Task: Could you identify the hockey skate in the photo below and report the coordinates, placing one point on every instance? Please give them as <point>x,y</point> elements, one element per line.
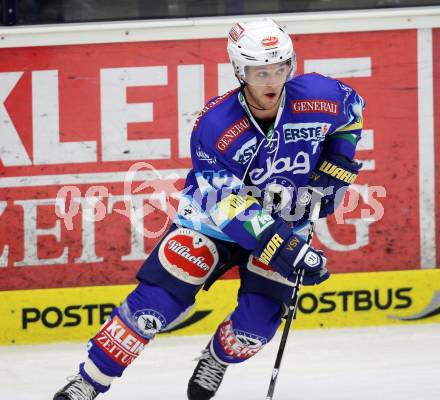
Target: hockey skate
<point>76,389</point>
<point>206,378</point>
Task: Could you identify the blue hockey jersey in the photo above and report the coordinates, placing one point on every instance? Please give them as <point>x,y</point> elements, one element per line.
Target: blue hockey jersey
<point>242,178</point>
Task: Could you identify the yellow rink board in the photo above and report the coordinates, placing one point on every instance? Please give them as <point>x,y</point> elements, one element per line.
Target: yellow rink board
<point>345,300</point>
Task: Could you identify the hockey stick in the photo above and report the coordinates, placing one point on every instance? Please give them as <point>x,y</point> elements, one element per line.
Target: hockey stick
<point>293,302</point>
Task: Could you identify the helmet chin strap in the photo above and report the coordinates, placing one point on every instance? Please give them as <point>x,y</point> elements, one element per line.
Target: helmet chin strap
<point>257,108</point>
<point>242,86</point>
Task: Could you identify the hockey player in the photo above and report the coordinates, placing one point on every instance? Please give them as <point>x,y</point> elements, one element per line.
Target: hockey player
<point>253,150</point>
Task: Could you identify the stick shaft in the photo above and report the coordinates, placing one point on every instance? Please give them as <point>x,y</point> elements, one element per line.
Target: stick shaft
<point>292,307</point>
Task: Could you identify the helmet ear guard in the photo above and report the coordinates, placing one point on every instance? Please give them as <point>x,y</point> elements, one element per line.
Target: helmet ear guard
<point>259,43</point>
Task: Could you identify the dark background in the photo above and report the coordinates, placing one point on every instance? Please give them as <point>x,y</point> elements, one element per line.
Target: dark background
<point>25,12</point>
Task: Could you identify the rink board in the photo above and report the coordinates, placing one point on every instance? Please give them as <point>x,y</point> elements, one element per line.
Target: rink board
<point>346,300</point>
<point>139,101</point>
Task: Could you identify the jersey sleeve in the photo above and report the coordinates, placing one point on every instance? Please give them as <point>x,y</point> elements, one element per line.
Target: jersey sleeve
<point>344,139</point>
<point>220,194</point>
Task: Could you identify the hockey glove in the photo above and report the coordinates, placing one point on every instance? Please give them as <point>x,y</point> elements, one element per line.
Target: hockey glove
<point>288,253</point>
<point>313,277</point>
<point>332,176</point>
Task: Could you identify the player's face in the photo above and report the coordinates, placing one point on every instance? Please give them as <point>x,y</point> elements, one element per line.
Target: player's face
<point>266,82</point>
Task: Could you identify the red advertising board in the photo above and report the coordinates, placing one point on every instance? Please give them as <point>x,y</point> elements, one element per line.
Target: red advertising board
<point>82,115</point>
<point>436,90</point>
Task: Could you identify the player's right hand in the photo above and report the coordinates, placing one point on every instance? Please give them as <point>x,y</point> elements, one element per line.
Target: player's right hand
<point>288,253</point>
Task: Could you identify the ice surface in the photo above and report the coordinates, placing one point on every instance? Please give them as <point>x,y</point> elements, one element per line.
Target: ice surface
<point>389,363</point>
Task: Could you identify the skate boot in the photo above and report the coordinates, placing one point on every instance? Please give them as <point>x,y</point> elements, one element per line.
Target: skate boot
<point>206,378</point>
<point>76,389</point>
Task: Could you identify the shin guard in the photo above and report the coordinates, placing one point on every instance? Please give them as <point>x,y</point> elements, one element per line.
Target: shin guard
<point>247,330</point>
<point>146,311</point>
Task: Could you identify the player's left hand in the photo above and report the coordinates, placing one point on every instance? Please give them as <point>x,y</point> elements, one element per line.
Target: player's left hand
<point>332,176</point>
<point>337,172</point>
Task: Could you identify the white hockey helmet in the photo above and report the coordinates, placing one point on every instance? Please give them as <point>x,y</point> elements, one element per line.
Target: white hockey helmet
<point>259,43</point>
